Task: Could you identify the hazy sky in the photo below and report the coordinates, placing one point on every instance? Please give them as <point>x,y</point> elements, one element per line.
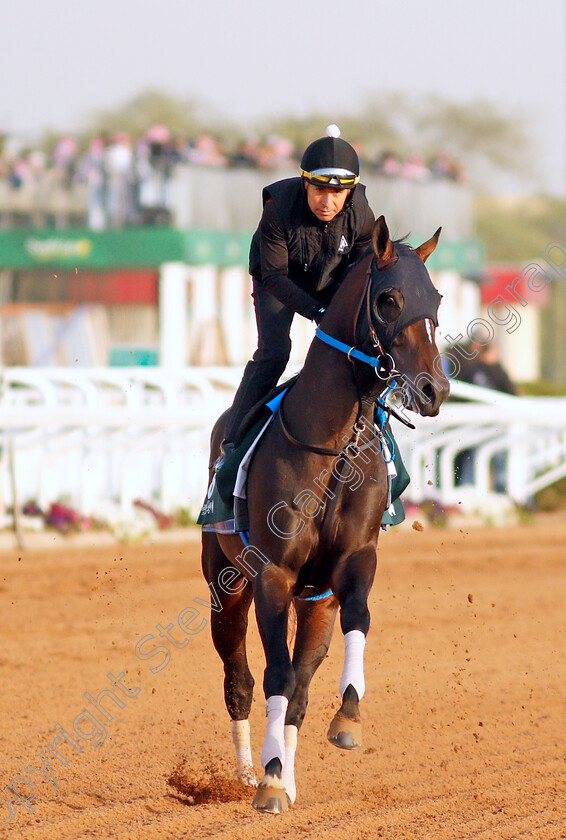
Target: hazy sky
<point>62,59</point>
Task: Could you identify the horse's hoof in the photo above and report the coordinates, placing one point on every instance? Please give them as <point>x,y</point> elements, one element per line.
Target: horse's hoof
<point>271,800</point>
<point>345,733</point>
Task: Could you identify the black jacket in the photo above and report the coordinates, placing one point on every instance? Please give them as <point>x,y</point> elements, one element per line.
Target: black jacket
<point>299,259</point>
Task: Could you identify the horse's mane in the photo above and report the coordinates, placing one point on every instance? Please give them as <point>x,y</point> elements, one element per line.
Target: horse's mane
<point>403,244</point>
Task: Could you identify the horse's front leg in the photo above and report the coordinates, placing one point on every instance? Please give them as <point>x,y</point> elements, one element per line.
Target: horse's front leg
<point>352,582</point>
<point>272,594</point>
<point>315,623</point>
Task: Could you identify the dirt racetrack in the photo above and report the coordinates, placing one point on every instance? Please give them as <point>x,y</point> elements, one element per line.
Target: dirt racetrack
<point>464,714</point>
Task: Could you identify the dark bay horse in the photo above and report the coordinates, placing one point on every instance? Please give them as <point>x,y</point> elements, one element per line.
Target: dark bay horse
<point>317,490</point>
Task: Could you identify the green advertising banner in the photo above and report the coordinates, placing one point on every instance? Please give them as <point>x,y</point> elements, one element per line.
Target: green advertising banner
<point>463,256</point>
<point>151,247</point>
<point>137,248</point>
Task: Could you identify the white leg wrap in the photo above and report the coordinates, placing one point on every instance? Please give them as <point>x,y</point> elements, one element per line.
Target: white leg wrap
<point>274,744</point>
<point>353,673</point>
<point>242,744</point>
<point>288,775</point>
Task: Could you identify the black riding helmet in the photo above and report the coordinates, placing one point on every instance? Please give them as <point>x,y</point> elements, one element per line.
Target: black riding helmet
<point>331,162</point>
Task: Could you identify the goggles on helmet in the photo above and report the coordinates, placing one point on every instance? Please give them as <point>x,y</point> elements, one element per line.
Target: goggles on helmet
<point>331,179</point>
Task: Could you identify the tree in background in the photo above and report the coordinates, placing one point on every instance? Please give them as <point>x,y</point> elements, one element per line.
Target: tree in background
<point>486,140</point>
<point>371,132</point>
<point>483,137</point>
<point>480,133</point>
<point>182,115</point>
<point>387,120</point>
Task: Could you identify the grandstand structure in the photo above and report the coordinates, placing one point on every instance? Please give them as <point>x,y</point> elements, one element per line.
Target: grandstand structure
<point>77,296</point>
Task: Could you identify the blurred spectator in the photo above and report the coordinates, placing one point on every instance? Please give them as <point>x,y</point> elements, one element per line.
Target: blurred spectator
<point>415,168</point>
<point>92,170</point>
<point>37,163</point>
<point>388,165</point>
<point>246,154</point>
<point>118,165</point>
<point>275,153</point>
<point>64,158</point>
<point>18,172</point>
<point>131,183</point>
<point>484,369</point>
<point>445,166</point>
<point>206,151</point>
<point>156,156</point>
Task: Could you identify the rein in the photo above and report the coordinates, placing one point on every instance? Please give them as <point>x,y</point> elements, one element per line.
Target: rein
<point>351,450</point>
<point>376,362</point>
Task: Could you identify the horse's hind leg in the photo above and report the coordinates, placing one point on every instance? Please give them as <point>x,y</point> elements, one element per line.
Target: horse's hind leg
<point>315,623</point>
<point>229,625</point>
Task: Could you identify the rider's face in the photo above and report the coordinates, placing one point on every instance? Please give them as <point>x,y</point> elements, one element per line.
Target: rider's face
<point>325,202</point>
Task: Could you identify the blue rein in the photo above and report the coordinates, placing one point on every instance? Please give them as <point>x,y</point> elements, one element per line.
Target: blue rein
<point>374,362</point>
<point>351,352</point>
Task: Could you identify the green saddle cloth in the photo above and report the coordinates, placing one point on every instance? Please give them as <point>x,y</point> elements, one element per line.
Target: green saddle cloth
<point>219,503</point>
<point>398,486</point>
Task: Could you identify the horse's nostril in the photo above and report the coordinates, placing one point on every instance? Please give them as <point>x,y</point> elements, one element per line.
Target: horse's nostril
<point>429,393</point>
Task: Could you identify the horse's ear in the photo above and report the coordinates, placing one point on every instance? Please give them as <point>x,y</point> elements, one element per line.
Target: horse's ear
<point>425,250</point>
<point>382,244</point>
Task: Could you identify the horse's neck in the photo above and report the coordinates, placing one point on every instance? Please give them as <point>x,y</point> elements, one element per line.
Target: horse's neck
<point>340,320</point>
<point>325,401</point>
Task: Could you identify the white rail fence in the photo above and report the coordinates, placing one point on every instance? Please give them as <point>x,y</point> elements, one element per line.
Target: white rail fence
<point>518,443</point>
<point>95,436</point>
<point>92,436</point>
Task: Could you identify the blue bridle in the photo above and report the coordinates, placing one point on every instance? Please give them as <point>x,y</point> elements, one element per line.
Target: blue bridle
<point>351,352</point>
<point>374,362</point>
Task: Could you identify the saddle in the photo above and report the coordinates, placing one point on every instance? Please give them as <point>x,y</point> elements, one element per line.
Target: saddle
<point>225,504</point>
<point>225,508</point>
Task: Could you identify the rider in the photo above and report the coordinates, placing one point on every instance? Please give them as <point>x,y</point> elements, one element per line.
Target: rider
<point>313,227</point>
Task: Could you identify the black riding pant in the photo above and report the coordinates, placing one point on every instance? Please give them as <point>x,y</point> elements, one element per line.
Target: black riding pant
<point>269,360</point>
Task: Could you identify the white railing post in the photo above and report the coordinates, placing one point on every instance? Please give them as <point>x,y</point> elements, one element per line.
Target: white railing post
<point>518,464</point>
<point>173,315</point>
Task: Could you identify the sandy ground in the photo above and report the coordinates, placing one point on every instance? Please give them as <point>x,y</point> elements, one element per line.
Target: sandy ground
<point>464,713</point>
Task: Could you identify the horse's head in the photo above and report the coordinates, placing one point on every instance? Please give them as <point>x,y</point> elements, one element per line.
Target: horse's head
<point>400,319</point>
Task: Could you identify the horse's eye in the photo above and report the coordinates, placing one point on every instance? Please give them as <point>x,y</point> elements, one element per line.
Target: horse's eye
<point>389,305</point>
